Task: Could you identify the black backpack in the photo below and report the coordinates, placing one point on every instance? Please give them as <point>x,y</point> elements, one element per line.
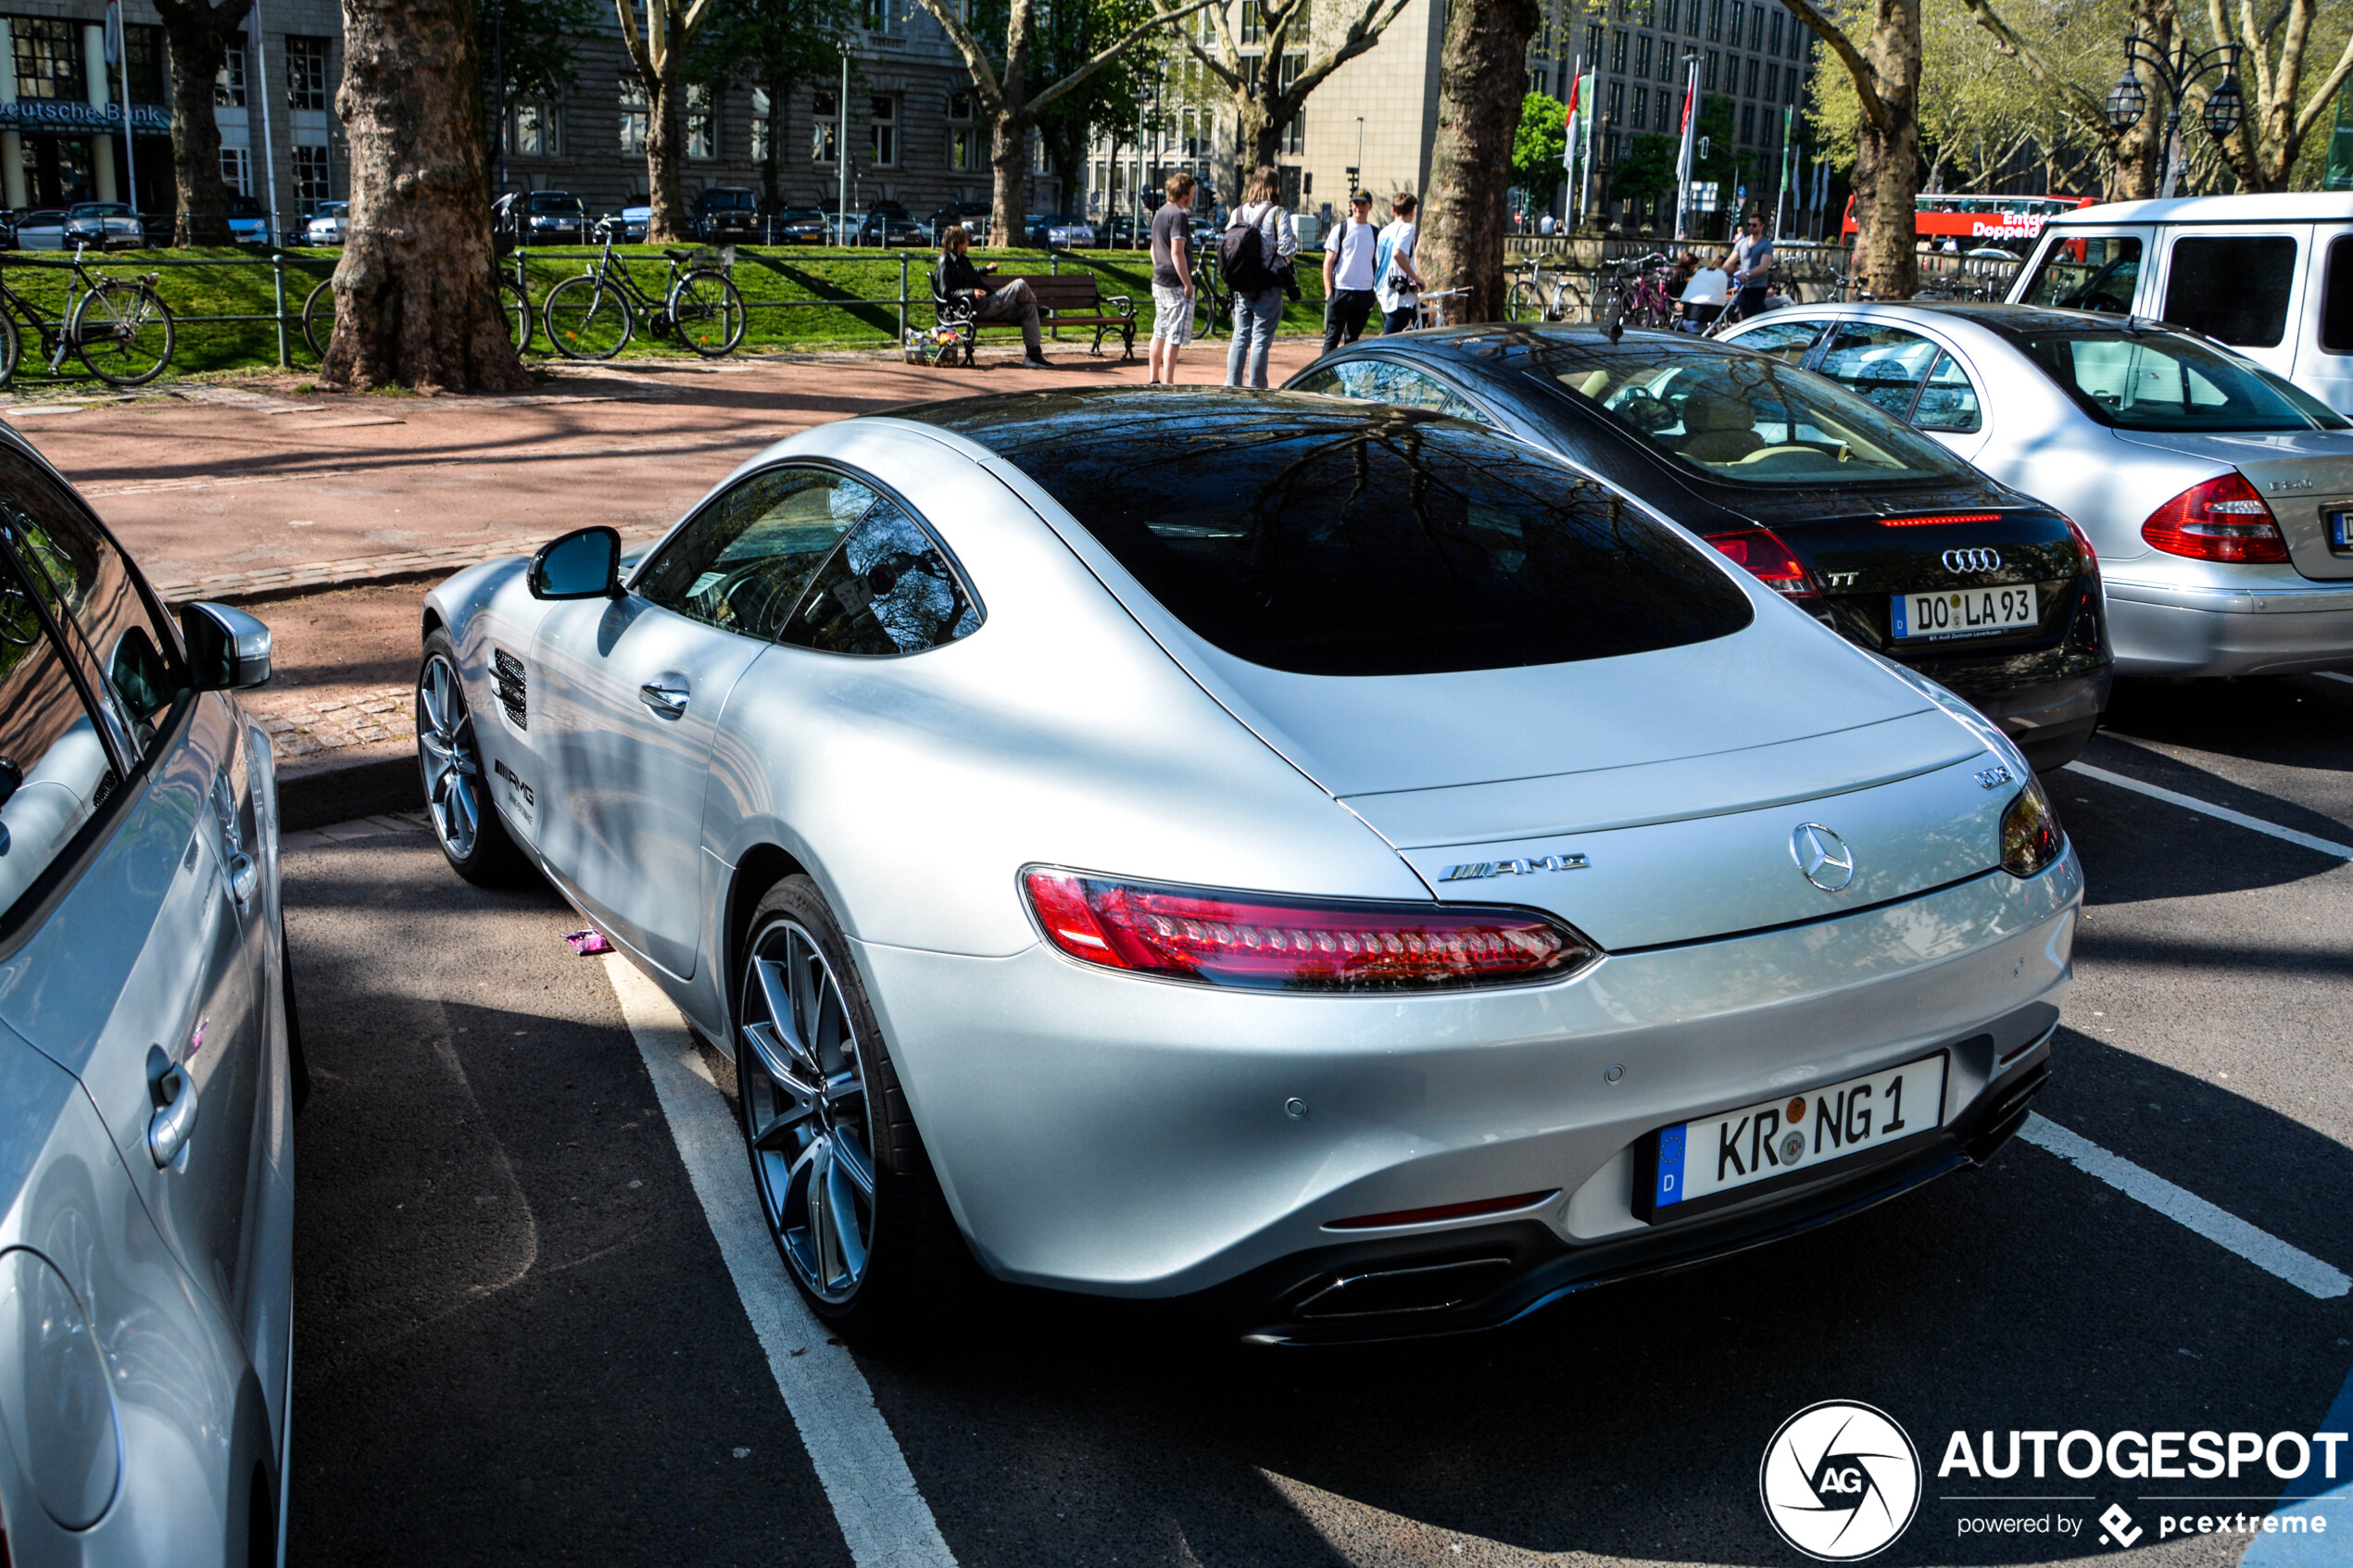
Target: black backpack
<point>1242,257</point>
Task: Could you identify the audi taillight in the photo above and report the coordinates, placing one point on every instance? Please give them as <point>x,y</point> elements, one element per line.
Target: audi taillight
<point>2090,557</point>
<point>1938,519</point>
<point>1760,553</point>
<point>1272,942</point>
<point>2224,519</point>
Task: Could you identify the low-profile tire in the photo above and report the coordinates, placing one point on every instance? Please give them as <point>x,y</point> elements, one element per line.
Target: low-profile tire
<point>465,820</point>
<point>848,1191</point>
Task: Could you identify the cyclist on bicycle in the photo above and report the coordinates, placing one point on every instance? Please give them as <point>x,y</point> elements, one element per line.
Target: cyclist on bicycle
<point>1702,289</point>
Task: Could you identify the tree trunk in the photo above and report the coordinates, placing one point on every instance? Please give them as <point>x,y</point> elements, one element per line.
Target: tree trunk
<point>1886,217</point>
<point>666,147</point>
<point>195,36</point>
<point>1259,134</point>
<point>1470,174</point>
<point>415,303</point>
<point>1009,169</point>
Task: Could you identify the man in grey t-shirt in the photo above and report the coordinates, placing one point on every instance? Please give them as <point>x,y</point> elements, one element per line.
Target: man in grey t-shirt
<point>1172,279</point>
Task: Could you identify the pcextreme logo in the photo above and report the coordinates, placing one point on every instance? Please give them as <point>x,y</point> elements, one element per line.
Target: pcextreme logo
<point>1840,1481</point>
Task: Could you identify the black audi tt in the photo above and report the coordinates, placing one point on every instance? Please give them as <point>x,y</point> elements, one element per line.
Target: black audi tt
<point>1885,535</point>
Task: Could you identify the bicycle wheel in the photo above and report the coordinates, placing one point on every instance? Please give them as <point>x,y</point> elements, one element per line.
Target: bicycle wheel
<point>588,321</point>
<point>706,313</point>
<point>517,305</point>
<point>1569,303</point>
<point>10,347</point>
<point>1527,302</point>
<point>124,333</point>
<point>319,318</point>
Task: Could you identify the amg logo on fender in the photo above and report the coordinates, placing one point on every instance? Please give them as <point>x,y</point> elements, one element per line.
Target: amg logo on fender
<point>1478,870</point>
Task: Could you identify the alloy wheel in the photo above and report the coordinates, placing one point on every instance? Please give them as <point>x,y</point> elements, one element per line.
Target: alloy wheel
<point>805,1110</point>
<point>452,763</point>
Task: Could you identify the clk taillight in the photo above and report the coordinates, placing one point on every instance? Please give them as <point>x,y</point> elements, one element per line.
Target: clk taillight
<point>2224,519</point>
<point>1759,552</point>
<point>1273,941</point>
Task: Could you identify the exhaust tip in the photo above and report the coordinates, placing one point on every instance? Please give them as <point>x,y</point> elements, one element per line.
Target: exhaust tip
<point>1428,1287</point>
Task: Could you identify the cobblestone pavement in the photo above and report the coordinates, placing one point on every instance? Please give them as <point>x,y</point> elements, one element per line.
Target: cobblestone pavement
<point>308,720</point>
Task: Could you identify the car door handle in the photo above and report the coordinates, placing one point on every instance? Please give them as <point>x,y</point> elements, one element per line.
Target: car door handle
<point>666,696</point>
<point>244,878</point>
<point>170,1128</point>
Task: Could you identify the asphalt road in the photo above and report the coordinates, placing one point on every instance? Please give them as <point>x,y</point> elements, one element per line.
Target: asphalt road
<point>517,1339</point>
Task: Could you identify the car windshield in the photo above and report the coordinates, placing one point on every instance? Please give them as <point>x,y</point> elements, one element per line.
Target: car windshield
<point>1361,539</point>
<point>801,214</point>
<point>554,201</point>
<point>2090,272</point>
<point>2162,381</point>
<point>101,209</point>
<point>713,200</point>
<point>1743,419</point>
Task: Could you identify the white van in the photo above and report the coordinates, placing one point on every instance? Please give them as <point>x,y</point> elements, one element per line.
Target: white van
<point>2270,275</point>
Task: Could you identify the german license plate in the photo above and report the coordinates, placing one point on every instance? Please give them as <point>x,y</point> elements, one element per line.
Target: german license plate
<point>1720,1159</point>
<point>2341,531</point>
<point>1963,612</point>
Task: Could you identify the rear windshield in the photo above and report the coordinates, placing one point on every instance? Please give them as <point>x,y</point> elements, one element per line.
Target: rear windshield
<point>1360,539</point>
<point>546,201</point>
<point>2166,381</point>
<point>1743,419</point>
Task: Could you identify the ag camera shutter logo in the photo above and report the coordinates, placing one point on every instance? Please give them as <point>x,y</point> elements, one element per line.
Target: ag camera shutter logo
<point>1840,1481</point>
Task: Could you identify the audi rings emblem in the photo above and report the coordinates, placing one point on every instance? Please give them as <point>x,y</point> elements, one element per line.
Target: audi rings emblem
<point>1972,561</point>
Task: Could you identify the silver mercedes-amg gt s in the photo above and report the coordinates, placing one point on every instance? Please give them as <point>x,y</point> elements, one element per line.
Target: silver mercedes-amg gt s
<point>1306,857</point>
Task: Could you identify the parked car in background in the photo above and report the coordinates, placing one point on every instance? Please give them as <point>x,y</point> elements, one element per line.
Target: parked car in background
<point>2218,495</point>
<point>554,218</point>
<point>888,223</point>
<point>248,221</point>
<point>1060,231</point>
<point>149,1060</point>
<point>2271,276</point>
<point>798,226</point>
<point>631,224</point>
<point>1835,504</point>
<point>1318,799</point>
<point>329,225</point>
<point>105,226</point>
<point>726,214</point>
<point>40,229</point>
<point>976,217</point>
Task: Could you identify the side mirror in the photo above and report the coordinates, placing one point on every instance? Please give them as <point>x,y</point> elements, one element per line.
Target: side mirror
<point>228,649</point>
<point>585,564</point>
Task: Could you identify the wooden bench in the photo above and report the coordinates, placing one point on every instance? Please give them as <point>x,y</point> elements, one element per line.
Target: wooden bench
<point>1065,299</point>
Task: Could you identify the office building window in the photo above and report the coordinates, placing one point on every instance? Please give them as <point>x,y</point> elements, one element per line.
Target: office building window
<point>1751,78</point>
<point>636,122</point>
<point>1641,104</point>
<point>1777,33</point>
<point>882,131</point>
<point>534,131</point>
<point>1253,23</point>
<point>1707,73</point>
<point>1733,31</point>
<point>229,87</point>
<point>312,181</point>
<point>963,138</point>
<point>1295,134</point>
<point>1617,107</point>
<point>824,139</point>
<point>143,63</point>
<point>702,122</point>
<point>236,168</point>
<point>1665,109</point>
<point>49,57</point>
<point>1674,8</point>
<point>1643,57</point>
<point>1594,47</point>
<point>1756,29</point>
<point>307,72</point>
<point>1617,52</point>
<point>1789,86</point>
<point>1748,123</point>
<point>1715,20</point>
<point>760,125</point>
<point>1772,84</point>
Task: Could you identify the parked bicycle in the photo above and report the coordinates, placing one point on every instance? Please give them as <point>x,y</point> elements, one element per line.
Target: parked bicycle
<point>119,328</point>
<point>1213,301</point>
<point>1431,309</point>
<point>319,315</point>
<point>1633,293</point>
<point>594,315</point>
<point>1545,295</point>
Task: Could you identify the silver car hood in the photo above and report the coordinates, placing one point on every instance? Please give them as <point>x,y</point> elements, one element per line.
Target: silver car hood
<point>2303,473</point>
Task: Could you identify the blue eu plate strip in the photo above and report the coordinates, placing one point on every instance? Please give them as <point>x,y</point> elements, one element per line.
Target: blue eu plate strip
<point>1670,1166</point>
<point>1903,622</point>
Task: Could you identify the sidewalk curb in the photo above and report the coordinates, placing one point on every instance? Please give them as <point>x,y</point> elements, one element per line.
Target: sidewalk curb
<point>360,780</point>
<point>358,572</point>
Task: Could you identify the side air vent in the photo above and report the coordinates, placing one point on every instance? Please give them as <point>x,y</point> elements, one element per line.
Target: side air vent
<point>506,670</point>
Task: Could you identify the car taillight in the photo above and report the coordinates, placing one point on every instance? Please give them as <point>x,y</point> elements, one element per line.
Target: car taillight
<point>1271,941</point>
<point>2090,557</point>
<point>1938,519</point>
<point>1761,554</point>
<point>2224,519</point>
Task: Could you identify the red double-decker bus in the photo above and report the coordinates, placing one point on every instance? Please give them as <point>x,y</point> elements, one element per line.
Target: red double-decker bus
<point>1981,221</point>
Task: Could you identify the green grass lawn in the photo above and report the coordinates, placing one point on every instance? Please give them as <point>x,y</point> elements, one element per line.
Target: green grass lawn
<point>800,298</point>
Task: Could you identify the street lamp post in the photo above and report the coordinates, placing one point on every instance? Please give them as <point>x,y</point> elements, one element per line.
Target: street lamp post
<point>2225,106</point>
<point>1355,181</point>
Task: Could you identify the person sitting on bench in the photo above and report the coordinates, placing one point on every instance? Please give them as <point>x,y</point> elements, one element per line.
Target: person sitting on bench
<point>956,278</point>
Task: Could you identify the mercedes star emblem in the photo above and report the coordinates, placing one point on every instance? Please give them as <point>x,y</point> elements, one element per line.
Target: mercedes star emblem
<point>1828,863</point>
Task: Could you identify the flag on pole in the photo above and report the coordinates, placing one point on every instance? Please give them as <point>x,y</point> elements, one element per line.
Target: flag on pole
<point>1683,153</point>
<point>1789,165</point>
<point>1585,91</point>
<point>1568,125</point>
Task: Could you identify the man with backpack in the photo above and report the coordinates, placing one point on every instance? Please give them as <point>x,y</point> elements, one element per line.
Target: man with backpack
<point>1401,286</point>
<point>1255,257</point>
<point>1349,277</point>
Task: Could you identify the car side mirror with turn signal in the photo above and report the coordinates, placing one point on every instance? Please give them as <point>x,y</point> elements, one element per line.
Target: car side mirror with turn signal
<point>584,564</point>
<point>228,649</point>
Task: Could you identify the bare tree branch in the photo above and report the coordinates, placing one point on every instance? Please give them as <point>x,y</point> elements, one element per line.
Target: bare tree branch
<point>986,86</point>
<point>1362,34</point>
<point>1874,107</point>
<point>2078,103</point>
<point>1133,36</point>
<point>2323,98</point>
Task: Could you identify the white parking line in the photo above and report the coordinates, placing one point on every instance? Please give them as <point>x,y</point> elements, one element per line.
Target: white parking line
<point>2259,1247</point>
<point>2326,847</point>
<point>881,1514</point>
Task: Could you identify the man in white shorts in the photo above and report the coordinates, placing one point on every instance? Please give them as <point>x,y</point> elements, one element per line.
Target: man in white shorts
<point>1172,279</point>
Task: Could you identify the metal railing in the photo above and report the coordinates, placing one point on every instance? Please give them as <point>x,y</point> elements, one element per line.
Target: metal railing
<point>146,261</point>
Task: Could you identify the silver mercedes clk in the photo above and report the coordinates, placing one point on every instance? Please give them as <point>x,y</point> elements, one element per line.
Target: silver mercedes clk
<point>1308,858</point>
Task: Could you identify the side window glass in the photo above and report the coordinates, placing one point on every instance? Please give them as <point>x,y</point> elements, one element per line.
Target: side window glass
<point>1949,401</point>
<point>2235,288</point>
<point>55,772</point>
<point>888,590</point>
<point>743,562</point>
<point>91,588</point>
<point>2336,298</point>
<point>1378,380</point>
<point>2098,272</point>
<point>1884,364</point>
<point>1786,341</point>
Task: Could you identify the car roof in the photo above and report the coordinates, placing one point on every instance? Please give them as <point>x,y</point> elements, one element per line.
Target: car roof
<point>2300,206</point>
<point>1025,427</point>
<point>1505,345</point>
